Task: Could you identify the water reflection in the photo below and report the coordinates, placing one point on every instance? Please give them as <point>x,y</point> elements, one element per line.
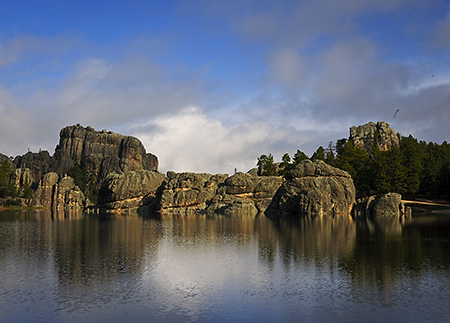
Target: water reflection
<point>73,266</point>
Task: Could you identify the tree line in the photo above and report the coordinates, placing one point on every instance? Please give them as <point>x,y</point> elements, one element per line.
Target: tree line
<point>413,168</point>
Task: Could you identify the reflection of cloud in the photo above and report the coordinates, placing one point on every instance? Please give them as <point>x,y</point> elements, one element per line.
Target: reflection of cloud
<point>188,278</point>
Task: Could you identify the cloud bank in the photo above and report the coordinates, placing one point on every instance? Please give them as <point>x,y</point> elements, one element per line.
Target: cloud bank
<point>245,79</point>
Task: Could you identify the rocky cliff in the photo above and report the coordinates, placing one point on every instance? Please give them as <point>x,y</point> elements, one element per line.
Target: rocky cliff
<point>131,190</point>
<point>59,193</point>
<point>314,189</point>
<point>240,194</point>
<point>371,134</point>
<point>100,152</point>
<point>38,164</point>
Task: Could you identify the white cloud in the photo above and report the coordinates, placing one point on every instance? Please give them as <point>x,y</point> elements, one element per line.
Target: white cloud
<point>191,141</point>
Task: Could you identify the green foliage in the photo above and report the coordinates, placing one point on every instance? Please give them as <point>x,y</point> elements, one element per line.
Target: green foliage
<point>319,154</point>
<point>85,181</point>
<point>12,202</point>
<point>356,162</point>
<point>299,156</point>
<point>6,187</point>
<point>27,191</point>
<point>285,165</point>
<point>412,168</point>
<point>266,166</point>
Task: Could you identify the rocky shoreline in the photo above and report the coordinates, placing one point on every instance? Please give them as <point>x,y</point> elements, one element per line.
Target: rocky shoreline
<point>101,171</point>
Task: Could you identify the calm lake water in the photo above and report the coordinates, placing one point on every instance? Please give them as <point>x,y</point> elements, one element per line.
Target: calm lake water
<point>74,267</point>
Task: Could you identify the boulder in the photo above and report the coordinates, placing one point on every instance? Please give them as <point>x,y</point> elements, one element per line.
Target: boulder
<point>231,205</point>
<point>314,188</point>
<point>387,205</point>
<point>130,189</point>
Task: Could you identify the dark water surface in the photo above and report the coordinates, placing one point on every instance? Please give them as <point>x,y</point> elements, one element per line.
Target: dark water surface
<point>73,267</point>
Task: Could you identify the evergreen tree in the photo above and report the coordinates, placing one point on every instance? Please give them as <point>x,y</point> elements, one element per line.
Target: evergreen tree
<point>413,156</point>
<point>299,156</point>
<point>285,165</point>
<point>319,154</point>
<point>266,166</point>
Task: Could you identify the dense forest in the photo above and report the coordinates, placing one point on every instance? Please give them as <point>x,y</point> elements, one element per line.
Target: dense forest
<point>414,168</point>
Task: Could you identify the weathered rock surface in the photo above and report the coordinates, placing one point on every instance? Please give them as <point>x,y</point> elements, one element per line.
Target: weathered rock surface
<point>22,176</point>
<point>101,152</point>
<point>38,164</point>
<point>189,193</point>
<point>130,189</point>
<point>370,134</point>
<point>197,193</point>
<point>53,192</point>
<point>387,205</point>
<point>313,188</point>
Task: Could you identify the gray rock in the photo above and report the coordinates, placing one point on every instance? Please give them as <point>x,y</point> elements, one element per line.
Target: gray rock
<point>367,135</point>
<point>387,205</point>
<point>100,152</point>
<point>313,188</point>
<point>231,205</point>
<point>130,189</point>
<point>59,194</point>
<point>38,164</point>
<point>191,191</point>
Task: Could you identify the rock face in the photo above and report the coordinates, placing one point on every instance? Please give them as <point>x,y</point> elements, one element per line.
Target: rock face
<point>240,194</point>
<point>38,164</point>
<point>189,193</point>
<point>53,192</point>
<point>314,189</point>
<point>387,205</point>
<point>370,134</point>
<point>101,152</point>
<point>130,189</point>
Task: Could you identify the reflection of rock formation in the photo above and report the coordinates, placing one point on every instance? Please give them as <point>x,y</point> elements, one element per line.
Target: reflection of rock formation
<point>385,212</point>
<point>310,239</point>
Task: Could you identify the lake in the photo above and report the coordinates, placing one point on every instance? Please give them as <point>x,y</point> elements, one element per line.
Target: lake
<point>75,267</point>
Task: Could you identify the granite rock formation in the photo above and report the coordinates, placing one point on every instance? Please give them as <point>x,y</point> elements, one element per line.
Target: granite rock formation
<point>371,134</point>
<point>387,205</point>
<point>313,188</point>
<point>100,152</point>
<point>131,190</point>
<point>38,164</point>
<point>57,193</point>
<point>189,193</point>
<point>194,193</point>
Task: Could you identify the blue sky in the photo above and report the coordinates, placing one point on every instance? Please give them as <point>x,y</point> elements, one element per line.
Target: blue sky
<point>211,85</point>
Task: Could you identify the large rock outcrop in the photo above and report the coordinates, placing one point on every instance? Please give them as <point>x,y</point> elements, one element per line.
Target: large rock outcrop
<point>131,190</point>
<point>370,134</point>
<point>57,193</point>
<point>101,152</point>
<point>197,193</point>
<point>314,189</point>
<point>189,193</point>
<point>38,164</point>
